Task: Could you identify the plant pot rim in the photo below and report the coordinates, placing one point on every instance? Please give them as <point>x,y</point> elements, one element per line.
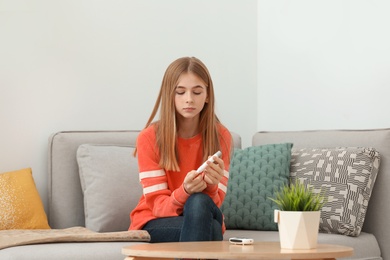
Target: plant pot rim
<point>298,211</point>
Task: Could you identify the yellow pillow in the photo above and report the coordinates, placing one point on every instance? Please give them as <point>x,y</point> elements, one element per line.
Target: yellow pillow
<point>20,203</point>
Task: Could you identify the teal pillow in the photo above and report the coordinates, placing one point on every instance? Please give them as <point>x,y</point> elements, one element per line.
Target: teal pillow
<point>256,173</point>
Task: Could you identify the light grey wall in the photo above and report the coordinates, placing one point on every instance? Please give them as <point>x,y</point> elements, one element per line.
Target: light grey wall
<point>276,65</point>
<point>98,65</point>
<point>323,64</point>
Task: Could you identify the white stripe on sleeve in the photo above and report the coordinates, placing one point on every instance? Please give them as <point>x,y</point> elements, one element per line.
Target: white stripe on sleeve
<point>151,174</point>
<point>226,174</point>
<point>157,187</point>
<point>222,187</point>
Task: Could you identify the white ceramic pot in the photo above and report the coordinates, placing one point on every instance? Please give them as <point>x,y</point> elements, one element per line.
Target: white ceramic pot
<point>298,229</point>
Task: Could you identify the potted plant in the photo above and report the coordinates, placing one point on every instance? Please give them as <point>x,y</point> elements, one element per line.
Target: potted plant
<point>298,216</point>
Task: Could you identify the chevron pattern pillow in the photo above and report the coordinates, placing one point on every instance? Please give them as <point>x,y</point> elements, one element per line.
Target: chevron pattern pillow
<point>255,174</point>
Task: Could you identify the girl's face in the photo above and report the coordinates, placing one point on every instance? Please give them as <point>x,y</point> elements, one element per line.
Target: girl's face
<point>190,96</point>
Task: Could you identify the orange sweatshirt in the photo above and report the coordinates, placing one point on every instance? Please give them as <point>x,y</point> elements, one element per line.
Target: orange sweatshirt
<point>163,192</point>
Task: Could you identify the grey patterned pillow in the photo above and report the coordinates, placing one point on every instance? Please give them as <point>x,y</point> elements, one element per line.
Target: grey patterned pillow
<point>346,176</point>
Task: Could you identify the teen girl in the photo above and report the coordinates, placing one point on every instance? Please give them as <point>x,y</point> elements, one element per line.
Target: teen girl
<point>179,204</point>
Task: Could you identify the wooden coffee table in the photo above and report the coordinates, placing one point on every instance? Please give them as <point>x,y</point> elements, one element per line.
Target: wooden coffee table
<point>226,250</point>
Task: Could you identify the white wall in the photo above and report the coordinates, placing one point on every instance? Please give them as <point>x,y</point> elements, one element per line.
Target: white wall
<point>276,65</point>
<point>98,65</point>
<point>323,64</point>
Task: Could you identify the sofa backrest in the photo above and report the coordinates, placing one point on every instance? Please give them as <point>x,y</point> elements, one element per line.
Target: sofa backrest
<point>66,204</point>
<point>378,212</point>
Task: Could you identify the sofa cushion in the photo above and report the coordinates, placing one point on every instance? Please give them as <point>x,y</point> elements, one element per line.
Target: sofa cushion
<point>67,251</point>
<point>365,246</point>
<point>20,203</point>
<point>110,184</point>
<point>346,176</point>
<point>255,174</point>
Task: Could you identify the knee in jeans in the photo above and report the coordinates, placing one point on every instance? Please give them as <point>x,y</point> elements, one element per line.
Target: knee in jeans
<point>198,200</point>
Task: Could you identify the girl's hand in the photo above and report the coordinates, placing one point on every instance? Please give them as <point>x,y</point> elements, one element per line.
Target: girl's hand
<point>194,183</point>
<point>214,171</point>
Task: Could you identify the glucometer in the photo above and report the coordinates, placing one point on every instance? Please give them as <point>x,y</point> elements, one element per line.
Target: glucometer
<point>241,241</point>
<point>211,159</point>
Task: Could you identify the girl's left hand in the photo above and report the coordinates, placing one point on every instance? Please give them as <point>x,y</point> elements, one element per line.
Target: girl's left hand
<point>214,171</point>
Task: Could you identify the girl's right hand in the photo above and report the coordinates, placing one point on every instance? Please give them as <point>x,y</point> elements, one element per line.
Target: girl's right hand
<point>194,183</point>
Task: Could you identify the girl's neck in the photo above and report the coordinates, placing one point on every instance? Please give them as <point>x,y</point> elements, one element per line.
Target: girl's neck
<point>188,129</point>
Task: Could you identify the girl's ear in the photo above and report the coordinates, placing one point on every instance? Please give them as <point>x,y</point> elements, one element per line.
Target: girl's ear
<point>207,100</point>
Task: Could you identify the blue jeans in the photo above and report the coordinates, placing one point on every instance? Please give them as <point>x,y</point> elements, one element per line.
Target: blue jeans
<point>201,221</point>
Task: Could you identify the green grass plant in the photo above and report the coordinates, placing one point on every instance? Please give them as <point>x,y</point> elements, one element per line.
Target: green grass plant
<point>296,197</point>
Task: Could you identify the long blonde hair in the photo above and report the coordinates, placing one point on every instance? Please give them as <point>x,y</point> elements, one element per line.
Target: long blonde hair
<point>208,123</point>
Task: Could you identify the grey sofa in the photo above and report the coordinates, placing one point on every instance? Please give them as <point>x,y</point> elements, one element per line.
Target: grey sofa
<point>66,203</point>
